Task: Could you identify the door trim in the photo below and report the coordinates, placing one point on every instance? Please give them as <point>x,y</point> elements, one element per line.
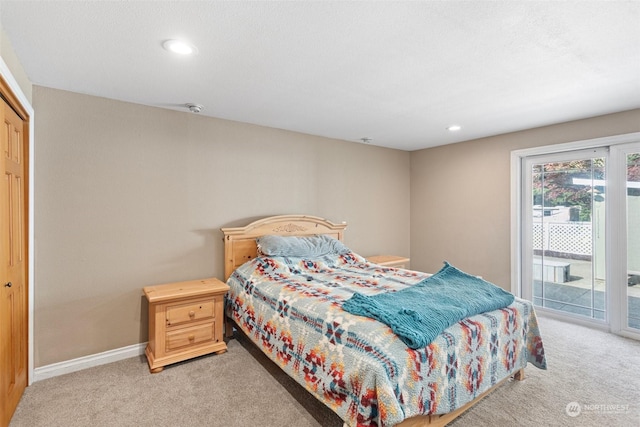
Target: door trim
<point>17,99</point>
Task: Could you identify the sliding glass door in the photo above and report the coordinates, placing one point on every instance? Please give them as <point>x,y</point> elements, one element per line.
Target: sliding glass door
<point>577,247</point>
<point>567,202</point>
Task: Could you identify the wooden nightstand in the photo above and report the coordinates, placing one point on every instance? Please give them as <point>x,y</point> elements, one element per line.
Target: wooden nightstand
<point>186,320</point>
<point>390,261</point>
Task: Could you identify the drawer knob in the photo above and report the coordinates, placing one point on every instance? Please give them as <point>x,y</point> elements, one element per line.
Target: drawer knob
<point>192,337</point>
<point>192,313</point>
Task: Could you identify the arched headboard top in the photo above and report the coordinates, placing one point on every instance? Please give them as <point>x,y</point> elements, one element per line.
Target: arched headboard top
<point>240,242</point>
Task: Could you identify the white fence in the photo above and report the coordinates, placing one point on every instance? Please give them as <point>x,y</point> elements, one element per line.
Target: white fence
<point>569,237</point>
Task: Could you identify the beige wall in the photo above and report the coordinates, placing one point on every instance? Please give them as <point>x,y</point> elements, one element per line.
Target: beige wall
<point>460,195</point>
<point>129,196</point>
<point>18,73</point>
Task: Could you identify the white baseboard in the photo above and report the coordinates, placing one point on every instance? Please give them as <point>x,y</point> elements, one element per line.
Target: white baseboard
<point>73,365</point>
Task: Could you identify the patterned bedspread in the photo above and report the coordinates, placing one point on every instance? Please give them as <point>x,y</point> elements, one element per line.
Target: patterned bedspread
<point>291,308</point>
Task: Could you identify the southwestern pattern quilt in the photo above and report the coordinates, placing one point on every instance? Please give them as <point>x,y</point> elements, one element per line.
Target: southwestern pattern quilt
<point>292,309</point>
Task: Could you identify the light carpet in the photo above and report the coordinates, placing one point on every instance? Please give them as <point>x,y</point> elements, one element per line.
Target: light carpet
<point>594,373</point>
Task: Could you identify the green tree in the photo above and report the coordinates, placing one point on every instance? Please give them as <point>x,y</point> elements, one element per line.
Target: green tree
<point>554,184</point>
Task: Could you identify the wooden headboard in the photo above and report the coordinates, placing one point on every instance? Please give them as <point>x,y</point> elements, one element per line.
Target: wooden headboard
<point>240,242</point>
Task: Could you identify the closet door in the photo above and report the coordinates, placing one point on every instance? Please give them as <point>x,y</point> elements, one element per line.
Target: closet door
<point>13,263</point>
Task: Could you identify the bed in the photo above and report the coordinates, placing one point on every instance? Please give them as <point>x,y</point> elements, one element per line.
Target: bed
<point>291,308</point>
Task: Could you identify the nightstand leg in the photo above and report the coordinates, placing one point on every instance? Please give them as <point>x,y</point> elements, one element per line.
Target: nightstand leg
<point>519,376</point>
<point>156,370</point>
<point>228,328</point>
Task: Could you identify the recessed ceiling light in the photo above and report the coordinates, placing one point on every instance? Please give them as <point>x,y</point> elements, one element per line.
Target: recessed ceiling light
<point>454,128</point>
<point>177,46</point>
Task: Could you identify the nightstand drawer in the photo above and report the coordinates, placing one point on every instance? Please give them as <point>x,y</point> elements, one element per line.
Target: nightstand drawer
<point>177,314</point>
<point>190,336</point>
<point>186,320</point>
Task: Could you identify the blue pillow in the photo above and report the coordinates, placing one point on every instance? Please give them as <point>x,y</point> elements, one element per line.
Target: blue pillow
<point>302,247</point>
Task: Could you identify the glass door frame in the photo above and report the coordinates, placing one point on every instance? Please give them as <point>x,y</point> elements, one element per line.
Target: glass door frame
<point>521,272</point>
<point>619,295</point>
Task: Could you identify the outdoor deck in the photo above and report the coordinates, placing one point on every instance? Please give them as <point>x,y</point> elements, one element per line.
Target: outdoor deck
<point>574,295</point>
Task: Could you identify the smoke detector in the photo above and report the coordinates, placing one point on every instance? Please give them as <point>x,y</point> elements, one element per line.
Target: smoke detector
<point>194,108</point>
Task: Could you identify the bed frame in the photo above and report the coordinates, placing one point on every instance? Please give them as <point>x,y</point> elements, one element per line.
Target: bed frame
<point>240,246</point>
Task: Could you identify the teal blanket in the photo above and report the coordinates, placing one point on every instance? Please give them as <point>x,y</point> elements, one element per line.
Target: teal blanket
<point>419,313</point>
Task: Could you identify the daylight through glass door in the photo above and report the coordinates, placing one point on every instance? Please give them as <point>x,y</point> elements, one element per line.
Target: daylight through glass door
<point>568,233</point>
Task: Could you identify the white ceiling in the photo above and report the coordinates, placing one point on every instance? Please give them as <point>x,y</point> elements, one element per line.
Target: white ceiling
<point>397,72</point>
